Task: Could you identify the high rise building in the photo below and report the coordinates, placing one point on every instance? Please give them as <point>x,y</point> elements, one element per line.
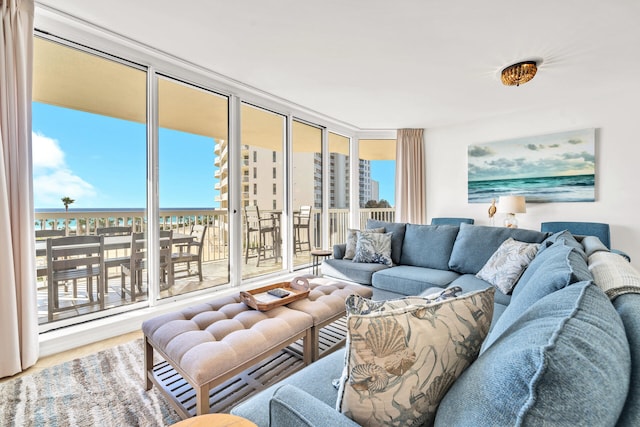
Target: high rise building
<point>262,183</point>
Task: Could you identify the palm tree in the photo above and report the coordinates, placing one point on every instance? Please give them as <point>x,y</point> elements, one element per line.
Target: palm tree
<point>67,201</point>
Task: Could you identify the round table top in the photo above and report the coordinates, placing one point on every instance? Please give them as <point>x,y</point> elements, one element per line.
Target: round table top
<point>321,252</point>
<point>218,420</point>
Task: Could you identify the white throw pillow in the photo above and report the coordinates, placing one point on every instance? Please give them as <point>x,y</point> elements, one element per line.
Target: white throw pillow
<point>507,264</point>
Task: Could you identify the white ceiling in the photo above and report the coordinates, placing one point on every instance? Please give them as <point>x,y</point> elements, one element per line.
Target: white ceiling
<point>381,64</point>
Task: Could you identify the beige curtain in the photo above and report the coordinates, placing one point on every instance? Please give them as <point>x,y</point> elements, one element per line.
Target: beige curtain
<point>410,176</point>
<point>18,299</point>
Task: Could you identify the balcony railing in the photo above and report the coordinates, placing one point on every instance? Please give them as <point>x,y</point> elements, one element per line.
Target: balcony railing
<point>180,220</point>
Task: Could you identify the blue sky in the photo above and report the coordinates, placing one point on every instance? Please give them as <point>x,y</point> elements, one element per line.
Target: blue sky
<point>101,163</point>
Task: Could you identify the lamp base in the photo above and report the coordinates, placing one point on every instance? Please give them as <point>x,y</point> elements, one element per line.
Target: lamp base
<point>510,221</point>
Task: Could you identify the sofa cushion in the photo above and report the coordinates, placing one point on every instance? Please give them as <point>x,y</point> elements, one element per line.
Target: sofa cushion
<point>507,263</point>
<point>628,307</point>
<point>397,229</point>
<point>403,355</point>
<point>555,268</point>
<point>408,280</point>
<point>567,238</point>
<point>475,244</point>
<point>373,247</point>
<point>352,240</point>
<point>428,245</point>
<point>346,269</point>
<point>565,362</point>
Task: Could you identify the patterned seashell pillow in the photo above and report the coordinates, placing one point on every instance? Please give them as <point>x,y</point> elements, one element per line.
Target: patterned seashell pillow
<point>352,240</point>
<point>403,355</point>
<point>373,248</point>
<point>507,264</point>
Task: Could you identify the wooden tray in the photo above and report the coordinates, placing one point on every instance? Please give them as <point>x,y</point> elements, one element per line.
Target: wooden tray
<point>259,299</point>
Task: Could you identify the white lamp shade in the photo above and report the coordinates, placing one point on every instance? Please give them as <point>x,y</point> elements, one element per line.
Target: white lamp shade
<point>512,204</point>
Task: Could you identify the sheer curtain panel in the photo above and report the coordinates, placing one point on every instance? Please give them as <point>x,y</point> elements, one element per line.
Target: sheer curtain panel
<point>18,303</point>
<point>410,176</point>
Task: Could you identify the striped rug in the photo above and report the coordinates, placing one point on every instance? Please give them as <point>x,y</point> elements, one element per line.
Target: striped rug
<point>107,388</point>
<point>102,389</point>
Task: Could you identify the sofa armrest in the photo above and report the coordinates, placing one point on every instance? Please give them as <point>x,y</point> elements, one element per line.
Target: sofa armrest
<point>339,250</point>
<point>291,406</point>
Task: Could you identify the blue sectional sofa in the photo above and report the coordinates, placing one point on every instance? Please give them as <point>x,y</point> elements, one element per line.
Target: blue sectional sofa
<point>560,350</point>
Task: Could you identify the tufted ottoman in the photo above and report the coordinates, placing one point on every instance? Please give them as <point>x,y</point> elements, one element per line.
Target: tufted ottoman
<point>210,343</point>
<point>325,303</point>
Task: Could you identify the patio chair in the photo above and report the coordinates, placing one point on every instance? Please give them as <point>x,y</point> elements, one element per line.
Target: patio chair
<point>41,262</point>
<point>113,262</point>
<point>301,222</point>
<point>137,263</point>
<point>71,259</point>
<point>257,230</point>
<point>190,252</point>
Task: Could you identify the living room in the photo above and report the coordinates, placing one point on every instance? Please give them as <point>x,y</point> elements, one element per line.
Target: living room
<point>586,79</point>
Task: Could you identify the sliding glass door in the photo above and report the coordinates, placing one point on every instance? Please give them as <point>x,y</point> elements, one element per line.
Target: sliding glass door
<point>192,147</point>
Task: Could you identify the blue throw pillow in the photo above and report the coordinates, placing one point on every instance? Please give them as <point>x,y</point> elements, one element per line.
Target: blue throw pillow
<point>475,244</point>
<point>565,362</point>
<point>428,245</point>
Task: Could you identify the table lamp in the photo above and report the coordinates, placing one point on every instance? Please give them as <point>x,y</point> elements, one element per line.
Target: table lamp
<point>511,205</point>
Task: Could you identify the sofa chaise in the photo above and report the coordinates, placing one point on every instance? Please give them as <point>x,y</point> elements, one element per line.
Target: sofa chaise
<point>563,346</point>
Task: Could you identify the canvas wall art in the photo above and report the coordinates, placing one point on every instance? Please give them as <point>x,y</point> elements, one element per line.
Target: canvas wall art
<point>558,167</point>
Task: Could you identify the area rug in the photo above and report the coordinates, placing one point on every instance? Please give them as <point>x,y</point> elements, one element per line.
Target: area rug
<point>102,389</point>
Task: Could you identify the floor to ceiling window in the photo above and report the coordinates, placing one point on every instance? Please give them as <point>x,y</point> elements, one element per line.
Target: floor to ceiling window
<point>377,166</point>
<point>339,182</point>
<point>263,136</point>
<point>306,191</point>
<point>193,175</point>
<point>89,175</point>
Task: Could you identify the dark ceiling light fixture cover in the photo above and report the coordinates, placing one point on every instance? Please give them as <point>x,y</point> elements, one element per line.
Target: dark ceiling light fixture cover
<point>519,73</point>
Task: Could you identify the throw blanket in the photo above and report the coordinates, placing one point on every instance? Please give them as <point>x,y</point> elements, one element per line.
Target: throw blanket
<point>613,274</point>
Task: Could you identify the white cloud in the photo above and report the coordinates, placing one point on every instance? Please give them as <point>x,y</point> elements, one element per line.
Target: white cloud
<point>52,179</point>
<point>46,152</point>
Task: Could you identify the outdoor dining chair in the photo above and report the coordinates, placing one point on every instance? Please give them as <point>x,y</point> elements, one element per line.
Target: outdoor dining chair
<point>191,252</point>
<point>259,233</point>
<point>41,261</point>
<point>75,258</point>
<point>121,255</point>
<point>301,222</point>
<point>137,263</point>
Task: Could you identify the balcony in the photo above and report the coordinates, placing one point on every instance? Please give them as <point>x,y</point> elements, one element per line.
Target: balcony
<point>215,252</point>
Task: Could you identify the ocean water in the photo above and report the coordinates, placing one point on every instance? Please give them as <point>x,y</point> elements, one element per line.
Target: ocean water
<point>578,188</point>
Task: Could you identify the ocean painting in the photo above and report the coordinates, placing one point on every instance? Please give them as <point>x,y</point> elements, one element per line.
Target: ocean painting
<point>558,167</point>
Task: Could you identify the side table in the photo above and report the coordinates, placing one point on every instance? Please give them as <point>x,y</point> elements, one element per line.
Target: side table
<point>318,255</point>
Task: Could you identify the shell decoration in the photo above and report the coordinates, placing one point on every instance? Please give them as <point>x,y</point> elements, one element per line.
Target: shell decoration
<point>385,337</point>
<point>369,377</point>
<point>398,363</point>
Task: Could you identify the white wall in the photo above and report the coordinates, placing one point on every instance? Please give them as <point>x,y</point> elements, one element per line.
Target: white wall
<point>615,117</point>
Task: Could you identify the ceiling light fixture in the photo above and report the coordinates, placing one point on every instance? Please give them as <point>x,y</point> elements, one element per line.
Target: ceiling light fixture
<point>519,73</point>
